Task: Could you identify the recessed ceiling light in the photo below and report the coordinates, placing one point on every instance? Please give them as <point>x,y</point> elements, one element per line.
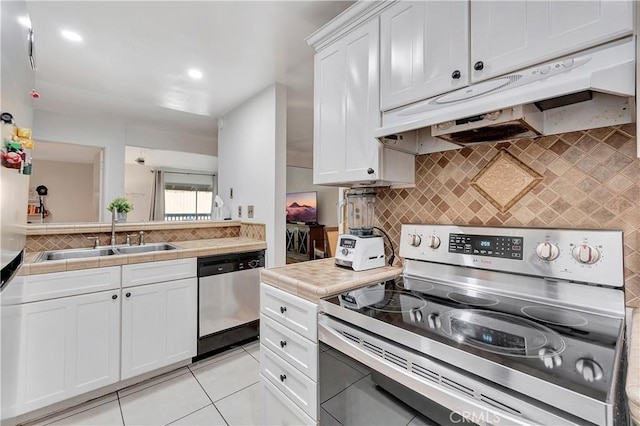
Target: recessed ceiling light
<point>25,21</point>
<point>70,35</point>
<point>195,74</point>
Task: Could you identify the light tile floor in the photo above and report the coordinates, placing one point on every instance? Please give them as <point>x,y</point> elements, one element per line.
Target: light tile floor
<point>225,390</point>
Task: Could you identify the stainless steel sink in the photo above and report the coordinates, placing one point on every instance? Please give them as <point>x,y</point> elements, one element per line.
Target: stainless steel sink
<point>147,248</point>
<point>75,254</point>
<point>103,251</point>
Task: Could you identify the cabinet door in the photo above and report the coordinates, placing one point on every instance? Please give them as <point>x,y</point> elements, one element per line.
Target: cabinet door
<point>158,325</point>
<point>56,349</point>
<point>424,51</point>
<point>346,110</point>
<point>510,35</point>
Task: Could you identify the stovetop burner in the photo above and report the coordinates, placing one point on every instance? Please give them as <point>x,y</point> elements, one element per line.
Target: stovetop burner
<point>473,298</point>
<point>557,316</point>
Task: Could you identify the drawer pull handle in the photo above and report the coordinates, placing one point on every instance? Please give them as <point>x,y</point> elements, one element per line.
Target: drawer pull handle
<point>283,343</point>
<point>128,294</point>
<point>283,377</point>
<point>283,309</point>
<point>114,297</point>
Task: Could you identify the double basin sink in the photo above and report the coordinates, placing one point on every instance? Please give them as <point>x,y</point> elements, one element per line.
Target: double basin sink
<point>103,251</point>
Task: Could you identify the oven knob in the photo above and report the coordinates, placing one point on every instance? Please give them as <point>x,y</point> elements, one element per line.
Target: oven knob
<point>416,315</point>
<point>547,251</point>
<point>433,241</point>
<point>253,263</point>
<point>590,370</point>
<point>415,240</point>
<point>434,321</point>
<point>550,358</point>
<point>345,251</point>
<point>586,254</point>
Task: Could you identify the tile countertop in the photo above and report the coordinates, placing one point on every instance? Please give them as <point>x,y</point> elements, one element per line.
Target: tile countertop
<point>319,278</point>
<point>185,249</point>
<point>633,371</point>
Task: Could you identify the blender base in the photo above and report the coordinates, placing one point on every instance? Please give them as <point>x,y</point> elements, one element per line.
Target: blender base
<point>360,252</point>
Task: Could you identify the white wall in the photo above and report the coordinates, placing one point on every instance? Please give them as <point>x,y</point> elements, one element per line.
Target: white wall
<point>70,187</point>
<point>137,189</point>
<point>301,179</point>
<point>252,153</point>
<point>113,135</point>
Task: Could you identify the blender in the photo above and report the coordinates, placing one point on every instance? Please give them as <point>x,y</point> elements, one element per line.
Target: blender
<point>360,249</point>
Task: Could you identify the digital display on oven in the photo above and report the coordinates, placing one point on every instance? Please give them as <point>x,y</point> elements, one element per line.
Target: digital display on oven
<point>487,245</point>
<point>348,242</point>
<point>489,336</point>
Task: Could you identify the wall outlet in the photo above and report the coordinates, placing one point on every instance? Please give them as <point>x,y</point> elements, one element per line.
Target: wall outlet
<point>250,212</point>
<point>239,211</point>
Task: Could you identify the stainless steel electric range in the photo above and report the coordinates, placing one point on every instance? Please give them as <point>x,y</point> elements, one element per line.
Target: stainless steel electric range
<point>495,326</point>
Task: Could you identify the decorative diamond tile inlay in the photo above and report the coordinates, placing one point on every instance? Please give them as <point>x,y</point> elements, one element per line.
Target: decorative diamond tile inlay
<point>505,180</point>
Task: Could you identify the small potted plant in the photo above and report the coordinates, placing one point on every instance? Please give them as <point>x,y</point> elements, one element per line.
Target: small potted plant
<point>122,206</point>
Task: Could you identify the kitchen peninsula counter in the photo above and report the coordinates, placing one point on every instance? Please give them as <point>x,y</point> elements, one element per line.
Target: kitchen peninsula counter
<point>320,278</point>
<point>193,239</point>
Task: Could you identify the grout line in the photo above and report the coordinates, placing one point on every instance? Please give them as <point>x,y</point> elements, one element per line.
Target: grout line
<point>343,362</point>
<point>201,408</point>
<point>331,397</point>
<point>212,403</point>
<point>120,406</point>
<point>239,390</point>
<point>331,415</point>
<point>412,419</point>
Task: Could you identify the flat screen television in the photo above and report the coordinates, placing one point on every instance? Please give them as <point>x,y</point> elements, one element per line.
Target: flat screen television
<point>302,207</point>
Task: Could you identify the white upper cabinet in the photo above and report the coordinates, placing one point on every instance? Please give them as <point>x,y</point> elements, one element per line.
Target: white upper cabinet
<point>347,111</point>
<point>424,50</point>
<point>511,35</point>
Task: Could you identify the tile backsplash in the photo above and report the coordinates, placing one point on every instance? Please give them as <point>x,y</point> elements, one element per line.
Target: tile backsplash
<point>589,179</point>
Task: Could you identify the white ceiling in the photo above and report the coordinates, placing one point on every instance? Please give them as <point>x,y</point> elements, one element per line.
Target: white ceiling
<point>135,55</point>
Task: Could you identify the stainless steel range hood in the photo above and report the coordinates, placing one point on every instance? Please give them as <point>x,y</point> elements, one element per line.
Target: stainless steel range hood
<point>594,88</point>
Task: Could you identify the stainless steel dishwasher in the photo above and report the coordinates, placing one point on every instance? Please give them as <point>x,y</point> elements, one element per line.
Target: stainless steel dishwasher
<point>228,300</point>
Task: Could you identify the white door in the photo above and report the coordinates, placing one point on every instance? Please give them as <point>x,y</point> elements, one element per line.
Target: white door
<point>424,51</point>
<point>55,349</point>
<point>346,110</point>
<point>510,35</point>
<point>158,325</point>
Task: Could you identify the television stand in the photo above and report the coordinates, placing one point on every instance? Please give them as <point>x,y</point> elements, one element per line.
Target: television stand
<point>302,239</point>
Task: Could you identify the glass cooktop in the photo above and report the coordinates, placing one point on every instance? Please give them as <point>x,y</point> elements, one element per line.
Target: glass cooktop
<point>570,348</point>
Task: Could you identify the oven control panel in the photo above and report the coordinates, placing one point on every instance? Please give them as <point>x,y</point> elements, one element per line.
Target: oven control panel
<point>487,245</point>
<point>583,255</point>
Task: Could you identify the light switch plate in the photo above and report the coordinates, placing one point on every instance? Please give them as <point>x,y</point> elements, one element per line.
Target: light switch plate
<point>250,212</point>
<point>239,211</point>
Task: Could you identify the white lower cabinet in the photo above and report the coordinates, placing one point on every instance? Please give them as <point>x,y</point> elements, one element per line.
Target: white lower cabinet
<point>67,333</point>
<point>158,325</point>
<point>280,410</point>
<point>59,348</point>
<point>288,357</point>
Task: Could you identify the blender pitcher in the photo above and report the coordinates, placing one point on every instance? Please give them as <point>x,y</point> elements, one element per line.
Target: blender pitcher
<point>360,211</point>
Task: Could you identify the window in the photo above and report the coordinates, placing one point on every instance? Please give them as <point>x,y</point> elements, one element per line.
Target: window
<point>188,197</point>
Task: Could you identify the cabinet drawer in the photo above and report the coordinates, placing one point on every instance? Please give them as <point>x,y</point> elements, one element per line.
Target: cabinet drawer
<point>293,348</point>
<point>33,288</point>
<point>296,386</point>
<point>156,272</point>
<point>280,410</point>
<point>291,311</point>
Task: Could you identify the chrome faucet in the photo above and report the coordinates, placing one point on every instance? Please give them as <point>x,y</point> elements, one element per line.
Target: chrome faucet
<point>114,219</point>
